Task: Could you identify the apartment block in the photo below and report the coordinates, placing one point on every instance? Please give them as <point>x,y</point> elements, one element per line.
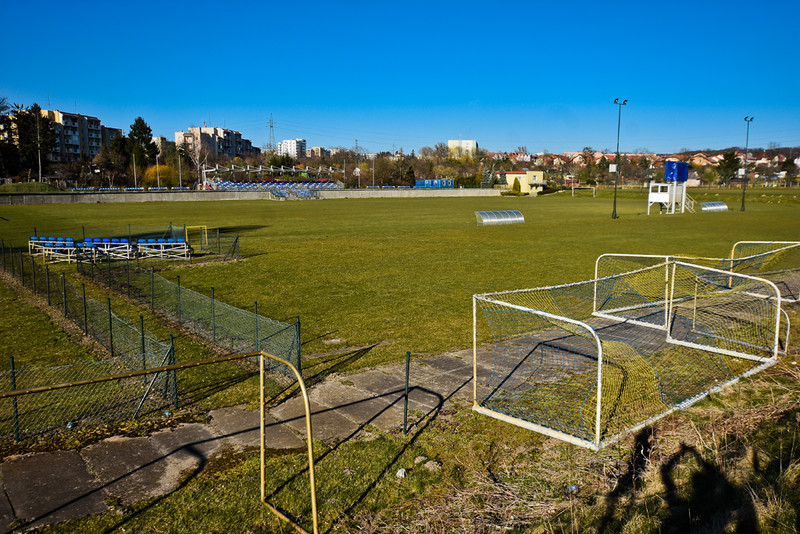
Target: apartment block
<point>294,148</point>
<point>317,152</point>
<point>77,136</point>
<point>217,142</point>
<point>462,147</point>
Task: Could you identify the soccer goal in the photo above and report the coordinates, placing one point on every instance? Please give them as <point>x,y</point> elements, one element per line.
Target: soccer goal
<point>591,361</point>
<point>583,189</point>
<point>777,261</point>
<point>197,236</point>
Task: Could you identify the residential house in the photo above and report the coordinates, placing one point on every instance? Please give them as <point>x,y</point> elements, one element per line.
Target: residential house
<point>531,182</point>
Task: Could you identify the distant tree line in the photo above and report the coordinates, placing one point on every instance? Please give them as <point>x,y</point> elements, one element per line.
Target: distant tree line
<point>27,140</point>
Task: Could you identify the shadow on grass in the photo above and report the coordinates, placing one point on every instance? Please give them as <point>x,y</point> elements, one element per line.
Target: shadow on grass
<point>317,370</point>
<point>637,465</point>
<point>713,503</point>
<point>418,426</point>
<point>198,450</point>
<point>709,502</point>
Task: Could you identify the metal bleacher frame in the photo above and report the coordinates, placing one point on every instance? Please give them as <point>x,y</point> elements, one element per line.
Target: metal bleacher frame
<point>58,249</point>
<point>53,249</point>
<point>164,248</point>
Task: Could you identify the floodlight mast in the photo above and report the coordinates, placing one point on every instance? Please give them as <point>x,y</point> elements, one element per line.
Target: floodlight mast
<point>616,166</point>
<point>748,120</point>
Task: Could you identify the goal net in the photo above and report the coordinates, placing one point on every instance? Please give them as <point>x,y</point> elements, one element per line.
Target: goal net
<point>591,361</point>
<point>776,261</point>
<point>197,237</point>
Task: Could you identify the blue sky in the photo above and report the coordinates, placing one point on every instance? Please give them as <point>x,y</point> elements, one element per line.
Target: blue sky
<point>412,74</point>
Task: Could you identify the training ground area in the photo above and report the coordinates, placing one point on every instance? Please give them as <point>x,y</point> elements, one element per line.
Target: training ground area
<point>402,272</point>
<point>397,275</point>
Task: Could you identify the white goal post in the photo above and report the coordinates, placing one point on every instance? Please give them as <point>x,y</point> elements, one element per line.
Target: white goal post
<point>582,187</point>
<point>592,361</point>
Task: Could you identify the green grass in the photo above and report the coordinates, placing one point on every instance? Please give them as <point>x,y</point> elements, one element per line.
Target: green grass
<point>28,187</point>
<point>402,271</point>
<point>29,335</point>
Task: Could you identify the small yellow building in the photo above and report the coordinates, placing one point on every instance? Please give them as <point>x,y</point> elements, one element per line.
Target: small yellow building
<point>531,182</point>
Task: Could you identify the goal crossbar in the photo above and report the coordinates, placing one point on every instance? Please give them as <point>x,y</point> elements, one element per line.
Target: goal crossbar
<point>669,332</point>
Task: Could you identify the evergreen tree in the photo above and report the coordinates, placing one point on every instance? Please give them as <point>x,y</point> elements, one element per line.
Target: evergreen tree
<point>728,166</point>
<point>9,155</point>
<point>141,142</point>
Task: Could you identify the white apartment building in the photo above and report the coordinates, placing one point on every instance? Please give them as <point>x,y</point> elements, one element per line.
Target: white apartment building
<point>462,147</point>
<point>294,148</point>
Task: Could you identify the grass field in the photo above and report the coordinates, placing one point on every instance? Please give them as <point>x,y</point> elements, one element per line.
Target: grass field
<point>399,275</point>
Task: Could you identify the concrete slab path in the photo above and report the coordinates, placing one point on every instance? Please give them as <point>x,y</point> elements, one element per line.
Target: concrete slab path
<point>47,488</point>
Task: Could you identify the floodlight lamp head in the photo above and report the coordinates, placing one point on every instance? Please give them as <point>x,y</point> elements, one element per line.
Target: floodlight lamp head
<point>616,100</point>
<point>624,101</point>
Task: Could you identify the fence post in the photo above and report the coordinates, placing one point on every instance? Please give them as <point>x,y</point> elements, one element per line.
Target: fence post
<point>21,269</point>
<point>152,288</point>
<point>47,282</point>
<point>297,337</point>
<point>173,373</point>
<point>13,267</point>
<point>33,274</point>
<point>108,264</point>
<point>144,346</point>
<point>64,294</point>
<point>92,264</point>
<point>128,274</point>
<point>85,311</point>
<point>3,246</point>
<point>213,318</point>
<point>179,299</point>
<point>14,400</point>
<point>405,404</point>
<point>255,318</point>
<point>110,329</point>
<point>219,245</point>
<point>83,230</point>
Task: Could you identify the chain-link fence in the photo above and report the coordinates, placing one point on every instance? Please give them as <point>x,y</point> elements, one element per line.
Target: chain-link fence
<point>131,348</point>
<point>232,328</point>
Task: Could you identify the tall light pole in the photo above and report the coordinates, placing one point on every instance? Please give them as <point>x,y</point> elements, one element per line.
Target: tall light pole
<point>748,120</point>
<point>616,167</point>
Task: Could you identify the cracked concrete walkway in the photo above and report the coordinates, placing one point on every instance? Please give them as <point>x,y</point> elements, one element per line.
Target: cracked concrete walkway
<point>46,488</point>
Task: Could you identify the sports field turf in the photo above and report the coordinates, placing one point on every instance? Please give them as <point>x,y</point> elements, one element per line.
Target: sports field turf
<point>399,273</point>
